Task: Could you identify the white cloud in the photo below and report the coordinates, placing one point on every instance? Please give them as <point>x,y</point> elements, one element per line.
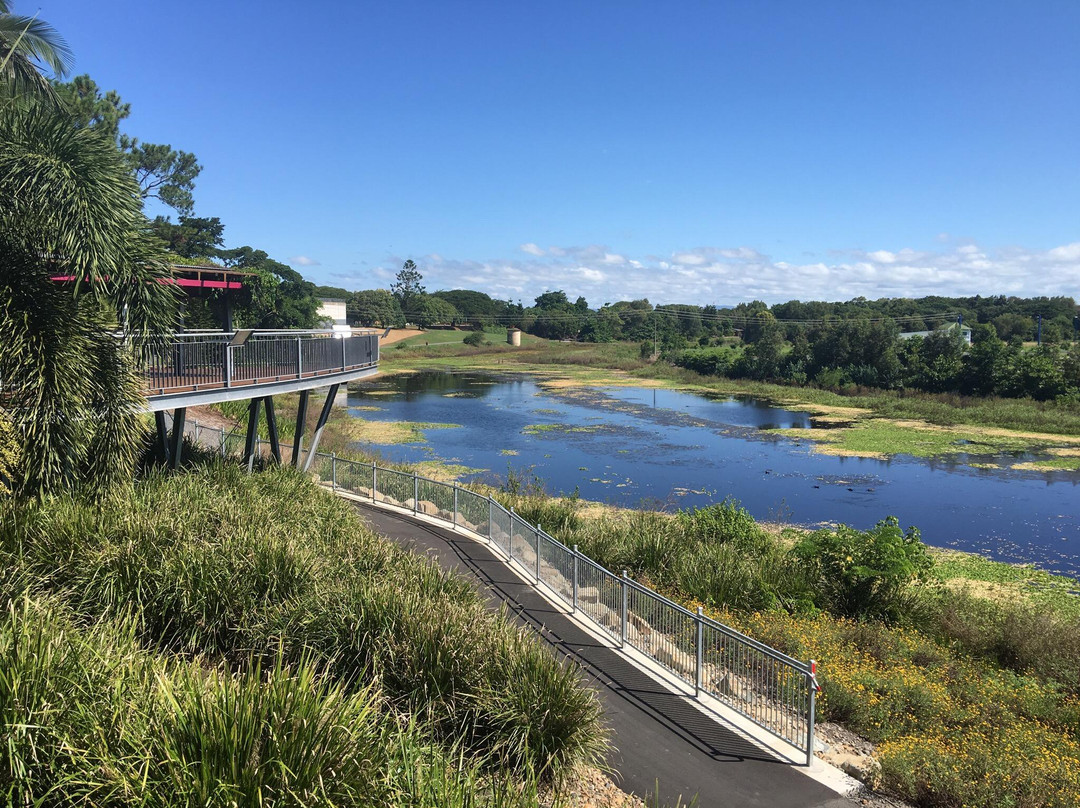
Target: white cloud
<point>689,259</point>
<point>728,275</point>
<point>304,261</point>
<point>883,256</point>
<point>531,249</point>
<point>1067,252</point>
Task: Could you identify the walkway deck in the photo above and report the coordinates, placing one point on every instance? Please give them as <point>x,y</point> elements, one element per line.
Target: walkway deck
<point>205,368</point>
<point>661,737</point>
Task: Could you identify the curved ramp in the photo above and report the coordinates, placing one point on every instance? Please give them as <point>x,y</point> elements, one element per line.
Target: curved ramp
<point>664,743</point>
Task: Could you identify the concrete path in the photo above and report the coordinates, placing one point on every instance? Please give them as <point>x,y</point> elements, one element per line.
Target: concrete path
<point>661,739</point>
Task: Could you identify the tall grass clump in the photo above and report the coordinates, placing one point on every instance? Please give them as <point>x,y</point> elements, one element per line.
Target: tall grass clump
<point>90,717</point>
<point>268,572</point>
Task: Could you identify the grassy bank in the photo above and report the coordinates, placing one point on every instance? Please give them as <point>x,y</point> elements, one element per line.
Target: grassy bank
<point>217,638</point>
<point>868,422</point>
<point>972,696</point>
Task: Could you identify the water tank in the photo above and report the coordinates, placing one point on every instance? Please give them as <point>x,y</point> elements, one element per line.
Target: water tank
<point>513,337</point>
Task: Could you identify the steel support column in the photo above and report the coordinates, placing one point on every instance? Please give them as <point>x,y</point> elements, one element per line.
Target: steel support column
<point>301,422</point>
<point>177,447</point>
<point>324,416</point>
<point>252,431</point>
<point>161,439</point>
<point>271,427</point>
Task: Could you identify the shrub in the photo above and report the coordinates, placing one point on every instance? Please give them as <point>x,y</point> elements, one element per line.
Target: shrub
<point>864,573</point>
<point>474,338</point>
<point>229,567</point>
<point>722,522</point>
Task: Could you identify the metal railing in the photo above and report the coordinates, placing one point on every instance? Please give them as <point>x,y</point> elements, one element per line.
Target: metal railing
<point>207,360</point>
<point>774,691</point>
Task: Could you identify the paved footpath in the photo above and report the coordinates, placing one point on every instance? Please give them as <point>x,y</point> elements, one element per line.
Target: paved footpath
<point>661,738</point>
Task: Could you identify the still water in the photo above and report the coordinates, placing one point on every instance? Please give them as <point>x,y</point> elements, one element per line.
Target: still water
<point>663,448</point>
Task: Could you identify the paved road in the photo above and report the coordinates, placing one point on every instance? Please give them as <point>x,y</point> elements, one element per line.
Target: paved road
<point>660,737</point>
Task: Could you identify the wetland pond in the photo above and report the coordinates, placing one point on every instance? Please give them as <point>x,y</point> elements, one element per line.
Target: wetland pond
<point>667,449</point>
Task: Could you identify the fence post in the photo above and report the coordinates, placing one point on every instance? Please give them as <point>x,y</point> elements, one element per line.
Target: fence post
<point>491,520</point>
<point>574,604</point>
<point>624,593</point>
<point>700,636</point>
<point>539,530</point>
<point>299,358</point>
<point>343,354</point>
<point>224,438</point>
<point>228,366</point>
<point>196,425</point>
<point>333,470</point>
<point>811,685</point>
<point>416,493</point>
<point>455,514</point>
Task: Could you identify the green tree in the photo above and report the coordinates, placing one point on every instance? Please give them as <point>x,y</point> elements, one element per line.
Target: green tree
<point>193,238</point>
<point>280,297</point>
<point>374,308</point>
<point>475,307</point>
<point>69,207</point>
<point>162,172</point>
<point>429,310</point>
<point>28,44</point>
<point>407,288</point>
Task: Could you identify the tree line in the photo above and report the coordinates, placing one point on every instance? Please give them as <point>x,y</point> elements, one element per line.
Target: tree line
<point>856,343</point>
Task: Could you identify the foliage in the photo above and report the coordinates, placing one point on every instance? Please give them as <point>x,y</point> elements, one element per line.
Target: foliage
<point>428,310</point>
<point>859,573</point>
<point>474,307</point>
<point>374,307</point>
<point>162,173</point>
<point>951,730</point>
<point>474,338</point>
<point>9,454</point>
<point>407,287</point>
<point>232,569</point>
<point>26,43</point>
<point>192,237</point>
<point>69,207</point>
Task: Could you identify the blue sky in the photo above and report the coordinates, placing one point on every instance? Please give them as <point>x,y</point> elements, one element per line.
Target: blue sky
<point>680,151</point>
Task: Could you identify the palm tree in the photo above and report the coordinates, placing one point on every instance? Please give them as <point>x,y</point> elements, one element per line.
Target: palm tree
<point>70,207</point>
<point>26,44</point>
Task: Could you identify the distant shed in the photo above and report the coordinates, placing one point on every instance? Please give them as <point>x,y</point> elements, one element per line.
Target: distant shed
<point>964,330</point>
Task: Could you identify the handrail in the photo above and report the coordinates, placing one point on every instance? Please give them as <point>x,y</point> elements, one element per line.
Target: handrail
<point>196,362</point>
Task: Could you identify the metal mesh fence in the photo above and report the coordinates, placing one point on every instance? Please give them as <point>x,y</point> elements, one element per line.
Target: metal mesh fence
<point>523,542</point>
<point>756,681</point>
<point>394,488</point>
<point>436,499</point>
<point>355,477</point>
<point>663,630</point>
<point>600,596</point>
<point>473,511</point>
<point>500,528</point>
<point>557,567</point>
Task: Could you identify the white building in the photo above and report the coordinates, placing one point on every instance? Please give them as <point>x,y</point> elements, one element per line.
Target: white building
<point>333,308</point>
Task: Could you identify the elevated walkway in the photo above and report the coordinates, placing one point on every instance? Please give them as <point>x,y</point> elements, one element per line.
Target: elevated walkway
<point>197,368</point>
<point>209,367</point>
